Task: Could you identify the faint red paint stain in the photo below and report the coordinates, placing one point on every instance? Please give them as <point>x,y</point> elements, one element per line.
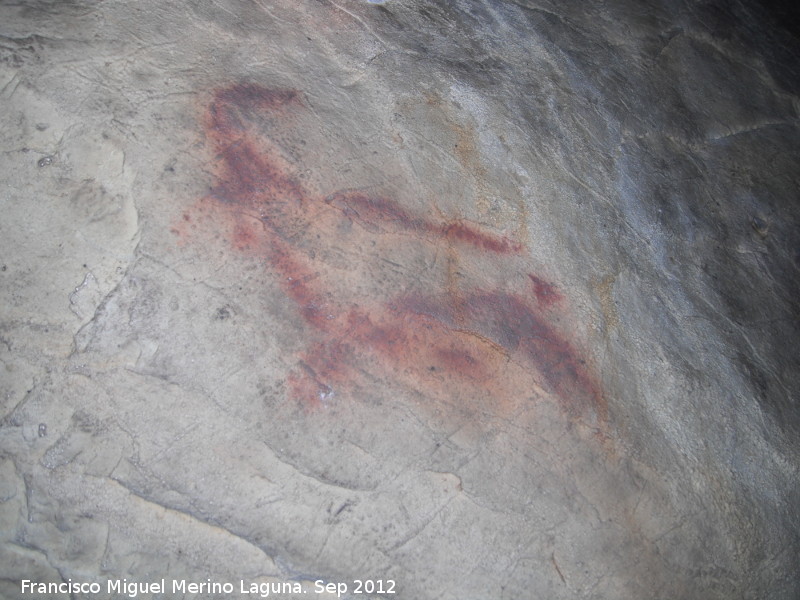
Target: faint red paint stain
<point>454,343</point>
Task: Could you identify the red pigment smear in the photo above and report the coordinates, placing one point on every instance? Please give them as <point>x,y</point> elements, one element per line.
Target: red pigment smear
<point>379,214</point>
<point>457,343</point>
<point>545,292</point>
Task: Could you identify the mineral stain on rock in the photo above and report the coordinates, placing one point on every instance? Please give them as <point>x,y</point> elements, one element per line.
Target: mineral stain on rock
<point>374,316</point>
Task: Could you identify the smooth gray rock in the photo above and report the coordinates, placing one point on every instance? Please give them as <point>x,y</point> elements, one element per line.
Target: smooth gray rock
<point>489,299</point>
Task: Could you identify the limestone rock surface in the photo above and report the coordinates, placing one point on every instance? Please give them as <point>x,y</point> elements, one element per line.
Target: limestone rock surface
<point>473,299</point>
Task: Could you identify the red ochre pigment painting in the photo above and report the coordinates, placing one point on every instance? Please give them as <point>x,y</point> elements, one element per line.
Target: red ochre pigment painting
<point>448,339</point>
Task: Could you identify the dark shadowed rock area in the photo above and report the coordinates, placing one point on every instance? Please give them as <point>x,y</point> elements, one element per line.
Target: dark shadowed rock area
<point>420,300</point>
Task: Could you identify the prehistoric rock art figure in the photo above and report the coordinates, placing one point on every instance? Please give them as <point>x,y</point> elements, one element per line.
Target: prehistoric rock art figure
<point>384,293</point>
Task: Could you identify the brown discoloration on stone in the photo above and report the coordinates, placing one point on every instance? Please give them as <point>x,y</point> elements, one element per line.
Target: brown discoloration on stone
<point>605,287</point>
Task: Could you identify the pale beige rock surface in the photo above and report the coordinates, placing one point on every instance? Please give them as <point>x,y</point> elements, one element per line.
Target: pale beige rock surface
<point>488,299</point>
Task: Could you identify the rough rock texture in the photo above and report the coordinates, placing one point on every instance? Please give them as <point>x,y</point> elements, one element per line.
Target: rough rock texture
<point>488,299</point>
